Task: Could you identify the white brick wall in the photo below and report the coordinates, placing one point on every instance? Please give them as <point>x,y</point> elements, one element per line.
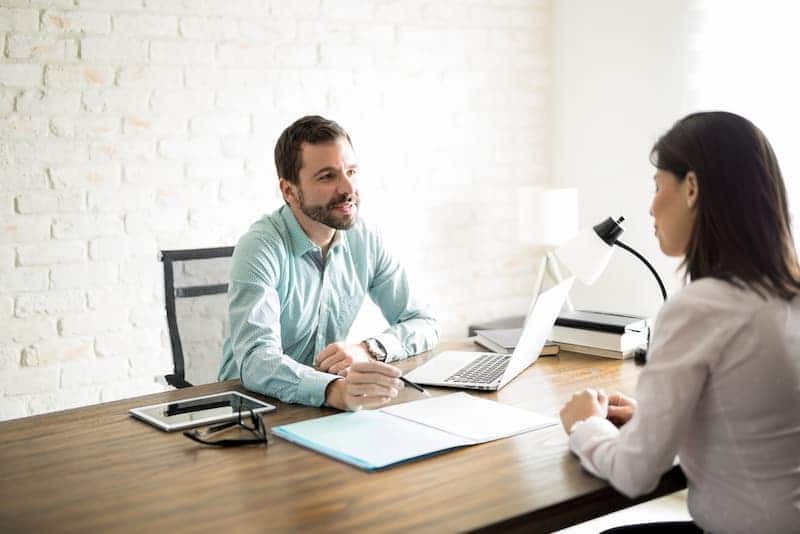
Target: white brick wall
<point>129,126</point>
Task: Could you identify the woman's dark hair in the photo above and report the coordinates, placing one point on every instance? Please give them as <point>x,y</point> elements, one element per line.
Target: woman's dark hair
<point>311,129</point>
<point>742,231</point>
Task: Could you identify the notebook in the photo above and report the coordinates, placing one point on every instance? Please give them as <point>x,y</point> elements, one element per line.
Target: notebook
<point>491,371</point>
<point>377,439</point>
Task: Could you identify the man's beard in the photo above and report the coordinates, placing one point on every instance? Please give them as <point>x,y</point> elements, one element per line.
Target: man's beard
<point>326,214</point>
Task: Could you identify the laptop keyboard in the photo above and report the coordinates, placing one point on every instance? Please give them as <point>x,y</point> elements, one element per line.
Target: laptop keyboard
<point>482,370</point>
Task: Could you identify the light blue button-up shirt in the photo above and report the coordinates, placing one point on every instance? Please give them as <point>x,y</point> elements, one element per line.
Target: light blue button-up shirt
<point>286,304</point>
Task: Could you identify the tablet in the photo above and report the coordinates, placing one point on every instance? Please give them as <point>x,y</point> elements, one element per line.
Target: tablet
<point>177,415</point>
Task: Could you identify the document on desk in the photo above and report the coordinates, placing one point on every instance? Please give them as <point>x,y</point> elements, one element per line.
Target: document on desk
<point>474,418</point>
<point>376,439</point>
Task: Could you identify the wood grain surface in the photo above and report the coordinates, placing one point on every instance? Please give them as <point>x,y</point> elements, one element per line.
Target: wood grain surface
<point>96,469</point>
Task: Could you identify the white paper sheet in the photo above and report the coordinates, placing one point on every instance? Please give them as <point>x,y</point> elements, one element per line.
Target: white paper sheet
<point>476,419</point>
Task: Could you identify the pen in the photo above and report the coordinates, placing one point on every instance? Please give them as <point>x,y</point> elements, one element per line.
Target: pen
<point>415,386</point>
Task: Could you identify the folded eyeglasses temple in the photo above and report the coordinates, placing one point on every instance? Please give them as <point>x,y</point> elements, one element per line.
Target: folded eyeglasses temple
<point>221,426</point>
<point>258,426</point>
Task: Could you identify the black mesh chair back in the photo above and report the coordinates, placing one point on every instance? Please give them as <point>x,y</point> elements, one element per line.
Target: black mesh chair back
<point>195,291</point>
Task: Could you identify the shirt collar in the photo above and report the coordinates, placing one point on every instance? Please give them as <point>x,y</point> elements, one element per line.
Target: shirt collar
<point>301,244</point>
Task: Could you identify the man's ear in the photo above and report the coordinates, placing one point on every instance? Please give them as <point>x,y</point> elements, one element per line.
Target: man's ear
<point>692,189</point>
<point>288,190</point>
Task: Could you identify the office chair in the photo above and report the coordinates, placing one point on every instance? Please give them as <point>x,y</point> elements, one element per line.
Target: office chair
<point>195,294</point>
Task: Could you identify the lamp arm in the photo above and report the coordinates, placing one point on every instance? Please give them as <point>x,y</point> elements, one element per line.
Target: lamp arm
<point>652,270</point>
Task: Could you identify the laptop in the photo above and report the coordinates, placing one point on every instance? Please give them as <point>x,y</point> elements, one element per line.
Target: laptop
<point>491,371</point>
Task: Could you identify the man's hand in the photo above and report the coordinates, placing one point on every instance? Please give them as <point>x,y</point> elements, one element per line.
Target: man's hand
<point>337,357</point>
<point>367,385</point>
<point>583,405</point>
<point>621,408</point>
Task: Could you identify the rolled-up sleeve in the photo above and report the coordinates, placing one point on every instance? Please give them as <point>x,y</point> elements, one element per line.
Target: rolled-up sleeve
<point>256,343</point>
<point>412,327</point>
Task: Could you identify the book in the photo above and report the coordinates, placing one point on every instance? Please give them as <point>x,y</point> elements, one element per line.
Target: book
<point>378,439</point>
<point>613,323</point>
<point>624,342</point>
<point>618,333</point>
<point>505,340</point>
<point>594,351</point>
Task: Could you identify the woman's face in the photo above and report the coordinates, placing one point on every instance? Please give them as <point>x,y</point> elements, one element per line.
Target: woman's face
<point>673,209</point>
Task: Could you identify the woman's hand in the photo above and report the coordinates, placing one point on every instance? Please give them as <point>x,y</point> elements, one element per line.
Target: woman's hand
<point>621,408</point>
<point>583,405</point>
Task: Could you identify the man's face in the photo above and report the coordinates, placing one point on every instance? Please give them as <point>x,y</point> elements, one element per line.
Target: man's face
<point>326,191</point>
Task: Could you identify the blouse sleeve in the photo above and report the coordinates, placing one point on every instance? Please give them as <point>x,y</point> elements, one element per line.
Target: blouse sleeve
<point>688,337</point>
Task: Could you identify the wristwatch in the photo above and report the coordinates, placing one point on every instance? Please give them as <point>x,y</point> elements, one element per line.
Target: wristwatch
<point>376,349</point>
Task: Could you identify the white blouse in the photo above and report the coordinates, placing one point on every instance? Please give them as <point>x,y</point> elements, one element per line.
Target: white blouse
<point>721,388</point>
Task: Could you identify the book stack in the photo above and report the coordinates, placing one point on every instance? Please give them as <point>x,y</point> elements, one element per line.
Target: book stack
<point>503,341</point>
<point>601,334</point>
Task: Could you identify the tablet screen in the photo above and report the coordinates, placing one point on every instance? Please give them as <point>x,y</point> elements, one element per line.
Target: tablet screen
<point>197,411</point>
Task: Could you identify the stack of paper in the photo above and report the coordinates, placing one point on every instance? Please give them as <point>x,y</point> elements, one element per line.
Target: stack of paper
<point>375,439</point>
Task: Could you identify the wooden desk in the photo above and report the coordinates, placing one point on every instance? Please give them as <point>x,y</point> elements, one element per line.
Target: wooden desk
<point>95,469</point>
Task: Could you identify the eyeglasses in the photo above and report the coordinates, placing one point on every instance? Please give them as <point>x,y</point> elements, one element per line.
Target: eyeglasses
<point>256,428</point>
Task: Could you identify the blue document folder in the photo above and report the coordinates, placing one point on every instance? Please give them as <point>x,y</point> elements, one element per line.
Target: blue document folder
<point>369,439</point>
<point>376,439</point>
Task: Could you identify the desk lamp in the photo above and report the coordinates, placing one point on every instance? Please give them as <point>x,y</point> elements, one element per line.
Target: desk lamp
<point>547,218</point>
<point>587,256</point>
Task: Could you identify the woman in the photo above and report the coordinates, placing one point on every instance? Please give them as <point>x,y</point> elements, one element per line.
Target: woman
<point>722,385</point>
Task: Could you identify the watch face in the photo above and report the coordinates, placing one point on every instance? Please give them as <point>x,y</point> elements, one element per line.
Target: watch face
<point>376,350</point>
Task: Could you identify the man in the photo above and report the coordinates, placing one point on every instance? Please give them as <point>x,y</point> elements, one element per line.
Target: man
<point>299,277</point>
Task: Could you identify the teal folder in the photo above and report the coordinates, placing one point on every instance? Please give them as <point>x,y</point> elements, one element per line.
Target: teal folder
<point>369,439</point>
<point>377,439</point>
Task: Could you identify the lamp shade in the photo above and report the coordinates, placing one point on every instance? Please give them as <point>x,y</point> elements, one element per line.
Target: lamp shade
<point>547,217</point>
<point>586,255</point>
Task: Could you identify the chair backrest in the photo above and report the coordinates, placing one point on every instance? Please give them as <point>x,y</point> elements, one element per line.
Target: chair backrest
<point>195,294</point>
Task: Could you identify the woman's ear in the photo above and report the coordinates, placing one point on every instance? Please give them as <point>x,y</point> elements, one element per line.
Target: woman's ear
<point>691,189</point>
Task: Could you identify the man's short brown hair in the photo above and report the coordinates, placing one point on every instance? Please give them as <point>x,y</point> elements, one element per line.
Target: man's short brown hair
<point>311,129</point>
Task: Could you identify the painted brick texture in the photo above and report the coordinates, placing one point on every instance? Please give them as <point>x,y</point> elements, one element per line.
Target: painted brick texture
<point>131,126</point>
